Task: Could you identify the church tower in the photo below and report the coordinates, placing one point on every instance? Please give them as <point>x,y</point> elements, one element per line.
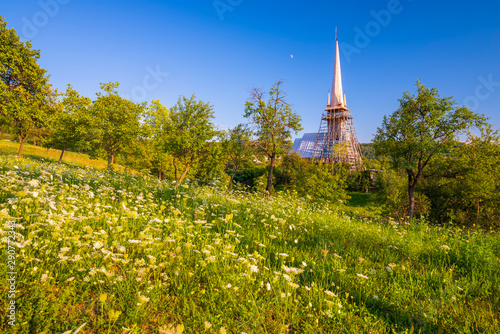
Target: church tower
<point>336,141</point>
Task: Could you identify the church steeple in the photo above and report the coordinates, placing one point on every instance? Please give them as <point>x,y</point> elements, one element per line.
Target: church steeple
<point>336,141</point>
<point>337,99</point>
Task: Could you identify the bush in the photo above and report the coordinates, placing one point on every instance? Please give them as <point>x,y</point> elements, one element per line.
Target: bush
<point>248,177</point>
<point>318,181</point>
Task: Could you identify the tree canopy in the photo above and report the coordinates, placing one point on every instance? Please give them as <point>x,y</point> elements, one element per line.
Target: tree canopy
<point>116,121</point>
<point>238,149</point>
<point>26,97</point>
<point>423,126</point>
<point>157,119</point>
<point>274,121</point>
<point>188,134</point>
<point>70,125</point>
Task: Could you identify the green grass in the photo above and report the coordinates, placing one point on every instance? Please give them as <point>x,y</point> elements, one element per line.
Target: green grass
<point>362,199</point>
<point>363,205</point>
<point>127,254</point>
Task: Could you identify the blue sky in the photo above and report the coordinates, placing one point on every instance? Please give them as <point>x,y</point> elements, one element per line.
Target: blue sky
<point>221,49</point>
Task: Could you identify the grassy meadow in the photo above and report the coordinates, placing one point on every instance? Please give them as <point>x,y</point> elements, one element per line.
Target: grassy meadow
<point>108,252</point>
<point>8,147</point>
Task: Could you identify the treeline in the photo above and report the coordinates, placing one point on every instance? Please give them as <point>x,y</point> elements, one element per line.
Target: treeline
<point>416,164</point>
<point>174,143</point>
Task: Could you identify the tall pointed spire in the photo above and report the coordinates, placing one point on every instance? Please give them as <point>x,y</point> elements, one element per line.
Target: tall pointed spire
<point>336,141</point>
<point>337,99</point>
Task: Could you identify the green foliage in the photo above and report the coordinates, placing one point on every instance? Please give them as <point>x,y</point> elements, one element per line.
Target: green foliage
<point>424,126</point>
<point>71,126</point>
<point>238,149</point>
<point>367,151</point>
<point>136,155</point>
<point>464,186</point>
<point>26,97</point>
<point>320,182</point>
<point>291,171</point>
<point>274,121</point>
<point>212,167</point>
<point>188,133</point>
<point>116,122</point>
<point>324,182</point>
<point>359,180</point>
<point>157,120</point>
<point>392,192</point>
<point>248,177</point>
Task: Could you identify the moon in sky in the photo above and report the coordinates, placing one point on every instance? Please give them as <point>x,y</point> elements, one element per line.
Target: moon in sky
<point>291,56</point>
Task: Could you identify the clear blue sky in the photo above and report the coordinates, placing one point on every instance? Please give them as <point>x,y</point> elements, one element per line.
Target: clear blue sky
<point>220,49</point>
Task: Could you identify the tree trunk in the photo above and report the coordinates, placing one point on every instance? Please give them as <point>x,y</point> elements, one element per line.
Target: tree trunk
<point>21,144</point>
<point>183,175</point>
<point>159,174</point>
<point>34,140</point>
<point>110,160</point>
<point>62,153</point>
<point>231,181</point>
<point>175,169</point>
<point>411,194</point>
<point>270,175</point>
<point>477,202</point>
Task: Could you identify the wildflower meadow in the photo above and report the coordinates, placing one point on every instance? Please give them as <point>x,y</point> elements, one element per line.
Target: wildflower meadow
<point>94,251</point>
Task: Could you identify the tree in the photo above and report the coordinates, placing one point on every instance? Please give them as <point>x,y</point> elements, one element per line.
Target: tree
<point>392,193</point>
<point>26,97</point>
<point>70,126</point>
<point>463,186</point>
<point>211,168</point>
<point>239,150</point>
<point>157,119</point>
<point>274,121</point>
<point>188,134</point>
<point>424,126</point>
<point>116,121</point>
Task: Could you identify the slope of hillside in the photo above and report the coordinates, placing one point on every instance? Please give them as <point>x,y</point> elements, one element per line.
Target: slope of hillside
<point>8,147</point>
<point>119,253</point>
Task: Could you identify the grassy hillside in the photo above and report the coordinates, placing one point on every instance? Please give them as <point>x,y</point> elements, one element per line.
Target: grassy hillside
<point>8,147</point>
<point>123,254</point>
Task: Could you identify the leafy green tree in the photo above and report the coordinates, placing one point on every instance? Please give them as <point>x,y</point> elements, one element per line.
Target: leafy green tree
<point>26,97</point>
<point>463,186</point>
<point>211,169</point>
<point>424,126</point>
<point>274,121</point>
<point>116,122</point>
<point>188,134</point>
<point>392,193</point>
<point>157,120</point>
<point>70,126</point>
<point>238,149</point>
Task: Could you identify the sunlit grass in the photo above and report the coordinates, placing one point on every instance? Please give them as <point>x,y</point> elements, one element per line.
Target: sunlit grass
<point>127,254</point>
<point>36,152</point>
